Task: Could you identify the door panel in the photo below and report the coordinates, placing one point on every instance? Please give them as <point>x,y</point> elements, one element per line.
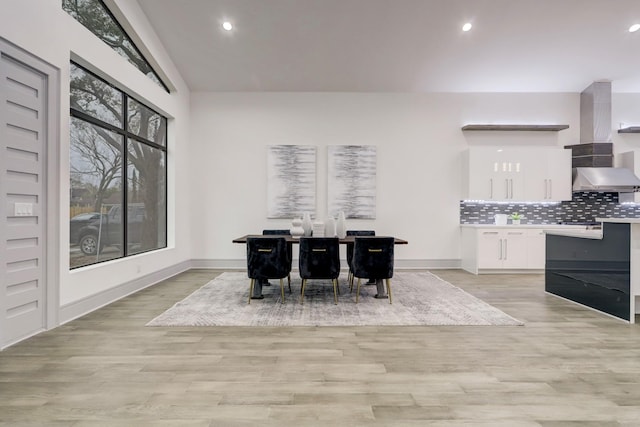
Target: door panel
<point>23,144</point>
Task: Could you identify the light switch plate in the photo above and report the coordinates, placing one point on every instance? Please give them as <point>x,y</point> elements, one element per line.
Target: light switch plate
<point>23,209</point>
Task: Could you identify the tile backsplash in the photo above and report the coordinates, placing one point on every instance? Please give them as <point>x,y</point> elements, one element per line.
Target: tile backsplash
<point>584,207</point>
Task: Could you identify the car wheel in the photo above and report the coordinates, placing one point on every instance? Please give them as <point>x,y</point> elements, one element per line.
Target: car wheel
<point>89,244</point>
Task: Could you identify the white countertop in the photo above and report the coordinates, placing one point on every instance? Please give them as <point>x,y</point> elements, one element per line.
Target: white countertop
<point>620,220</point>
<point>535,226</point>
<point>582,234</point>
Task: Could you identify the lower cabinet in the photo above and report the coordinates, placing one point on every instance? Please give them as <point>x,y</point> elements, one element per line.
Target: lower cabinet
<point>510,248</point>
<point>535,249</point>
<point>502,249</point>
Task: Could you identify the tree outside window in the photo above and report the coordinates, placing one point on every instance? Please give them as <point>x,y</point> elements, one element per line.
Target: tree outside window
<point>118,169</point>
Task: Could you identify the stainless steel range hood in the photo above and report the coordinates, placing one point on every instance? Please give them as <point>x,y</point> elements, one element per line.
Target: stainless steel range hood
<point>595,129</point>
<point>605,179</point>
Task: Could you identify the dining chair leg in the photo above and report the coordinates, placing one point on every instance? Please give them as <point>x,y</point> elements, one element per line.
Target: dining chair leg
<point>350,279</point>
<point>389,290</point>
<point>335,293</point>
<point>250,289</point>
<point>304,281</point>
<point>282,290</point>
<point>358,290</point>
<point>289,280</point>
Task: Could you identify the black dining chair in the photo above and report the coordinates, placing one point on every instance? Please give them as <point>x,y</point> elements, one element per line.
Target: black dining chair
<point>373,259</point>
<point>350,250</point>
<point>267,258</point>
<point>276,232</point>
<point>319,259</point>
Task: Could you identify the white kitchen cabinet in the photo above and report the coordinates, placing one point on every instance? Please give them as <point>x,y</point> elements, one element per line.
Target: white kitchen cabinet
<point>536,249</point>
<point>517,173</point>
<point>494,173</point>
<point>489,249</point>
<point>548,174</point>
<point>502,249</point>
<point>505,249</point>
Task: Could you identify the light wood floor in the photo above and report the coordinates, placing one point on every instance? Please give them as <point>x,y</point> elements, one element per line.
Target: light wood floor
<point>568,366</point>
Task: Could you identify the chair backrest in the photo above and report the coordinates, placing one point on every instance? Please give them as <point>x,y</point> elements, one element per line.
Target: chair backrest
<point>274,232</point>
<point>373,257</point>
<point>350,245</point>
<point>319,257</point>
<point>267,258</point>
<point>277,232</point>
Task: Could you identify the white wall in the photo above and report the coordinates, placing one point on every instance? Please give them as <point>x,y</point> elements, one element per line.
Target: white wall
<point>42,28</point>
<point>625,112</point>
<point>419,145</point>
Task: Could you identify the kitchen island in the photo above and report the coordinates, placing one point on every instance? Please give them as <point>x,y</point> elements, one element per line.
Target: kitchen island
<point>596,268</point>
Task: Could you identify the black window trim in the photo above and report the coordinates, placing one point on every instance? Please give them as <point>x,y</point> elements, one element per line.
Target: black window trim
<point>113,17</point>
<point>125,117</point>
<point>126,134</point>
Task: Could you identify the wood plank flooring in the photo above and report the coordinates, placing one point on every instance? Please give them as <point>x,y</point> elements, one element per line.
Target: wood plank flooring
<point>568,366</point>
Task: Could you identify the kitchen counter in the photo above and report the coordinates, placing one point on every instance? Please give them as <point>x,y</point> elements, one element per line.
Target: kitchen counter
<point>533,226</point>
<point>599,269</point>
<point>581,234</point>
<point>620,220</point>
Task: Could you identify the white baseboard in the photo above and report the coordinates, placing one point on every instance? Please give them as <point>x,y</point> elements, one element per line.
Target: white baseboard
<point>86,305</point>
<point>431,264</point>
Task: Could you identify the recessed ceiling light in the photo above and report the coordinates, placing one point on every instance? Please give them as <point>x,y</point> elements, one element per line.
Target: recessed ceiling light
<point>227,25</point>
<point>466,27</point>
<point>634,28</point>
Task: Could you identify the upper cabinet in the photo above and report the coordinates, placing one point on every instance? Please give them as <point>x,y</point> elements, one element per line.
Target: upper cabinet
<point>548,174</point>
<point>494,173</point>
<point>517,174</point>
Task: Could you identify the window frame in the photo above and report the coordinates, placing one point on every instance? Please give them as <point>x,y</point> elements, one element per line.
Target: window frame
<point>127,135</point>
<point>135,47</point>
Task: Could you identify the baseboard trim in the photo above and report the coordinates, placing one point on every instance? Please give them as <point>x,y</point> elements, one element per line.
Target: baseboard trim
<point>76,309</point>
<point>431,264</point>
<point>220,264</point>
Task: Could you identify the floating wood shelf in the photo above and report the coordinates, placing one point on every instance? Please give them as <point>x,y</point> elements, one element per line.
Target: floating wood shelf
<point>631,129</point>
<point>547,128</point>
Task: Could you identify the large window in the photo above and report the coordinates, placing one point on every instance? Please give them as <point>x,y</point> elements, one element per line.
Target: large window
<point>94,15</point>
<point>118,173</point>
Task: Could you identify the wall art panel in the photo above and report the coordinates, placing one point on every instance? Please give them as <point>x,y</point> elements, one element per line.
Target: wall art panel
<point>291,180</point>
<point>352,180</point>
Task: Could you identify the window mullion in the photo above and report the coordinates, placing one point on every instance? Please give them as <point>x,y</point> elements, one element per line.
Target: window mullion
<point>136,200</point>
<point>125,178</point>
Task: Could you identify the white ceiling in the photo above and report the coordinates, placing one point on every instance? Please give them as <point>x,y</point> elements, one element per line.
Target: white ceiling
<point>401,45</point>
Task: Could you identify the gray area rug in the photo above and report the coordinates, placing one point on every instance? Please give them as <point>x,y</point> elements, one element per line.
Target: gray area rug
<point>418,299</point>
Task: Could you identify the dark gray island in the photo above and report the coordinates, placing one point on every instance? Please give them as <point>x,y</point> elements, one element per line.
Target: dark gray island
<point>596,268</point>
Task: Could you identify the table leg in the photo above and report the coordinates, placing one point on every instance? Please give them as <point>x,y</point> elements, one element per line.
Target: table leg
<point>382,290</point>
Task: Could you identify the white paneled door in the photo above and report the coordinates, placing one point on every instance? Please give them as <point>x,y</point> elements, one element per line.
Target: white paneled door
<point>23,186</point>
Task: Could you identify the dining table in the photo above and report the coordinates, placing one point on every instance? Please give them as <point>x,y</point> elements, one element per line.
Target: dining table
<point>291,239</point>
<point>381,289</point>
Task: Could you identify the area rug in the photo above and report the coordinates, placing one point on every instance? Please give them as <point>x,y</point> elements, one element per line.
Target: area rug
<point>419,298</point>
